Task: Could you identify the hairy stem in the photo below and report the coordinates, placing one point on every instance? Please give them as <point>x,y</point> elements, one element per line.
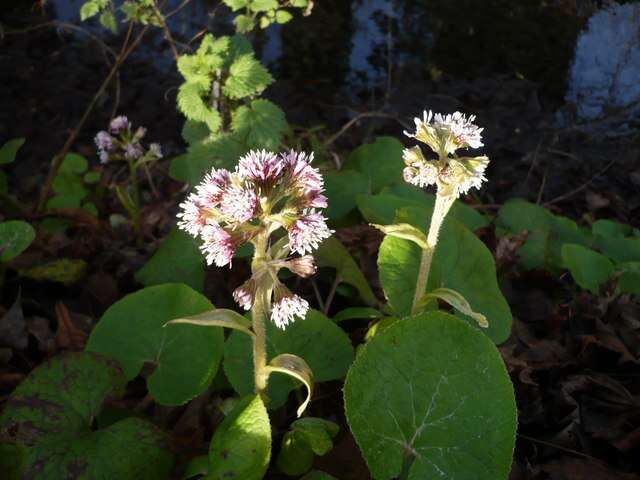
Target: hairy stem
<point>259,311</point>
<point>440,210</point>
<point>135,213</point>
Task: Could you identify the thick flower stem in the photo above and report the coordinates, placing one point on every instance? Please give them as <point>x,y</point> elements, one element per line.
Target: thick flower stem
<point>135,213</point>
<point>440,210</point>
<point>259,311</point>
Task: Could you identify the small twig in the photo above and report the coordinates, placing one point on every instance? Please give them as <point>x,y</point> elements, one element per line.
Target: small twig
<point>542,185</point>
<point>59,157</point>
<point>316,291</point>
<point>332,293</point>
<point>560,447</point>
<point>581,187</point>
<point>167,32</point>
<point>353,121</point>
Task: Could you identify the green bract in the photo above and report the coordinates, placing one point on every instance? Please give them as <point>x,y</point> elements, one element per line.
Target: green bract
<point>185,357</point>
<point>319,341</point>
<point>431,397</point>
<point>49,417</point>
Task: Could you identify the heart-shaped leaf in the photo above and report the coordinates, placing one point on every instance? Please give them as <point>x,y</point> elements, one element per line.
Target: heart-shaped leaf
<point>15,237</point>
<point>380,162</point>
<point>241,446</point>
<point>588,268</point>
<point>177,260</point>
<point>186,357</point>
<point>50,415</point>
<point>461,262</point>
<point>320,342</point>
<point>306,438</point>
<point>430,396</point>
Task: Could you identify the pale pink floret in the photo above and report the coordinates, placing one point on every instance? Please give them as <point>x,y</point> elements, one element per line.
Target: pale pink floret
<point>156,150</point>
<point>304,266</point>
<point>133,151</point>
<point>244,294</point>
<point>192,215</point>
<point>304,176</point>
<point>212,187</point>
<point>307,232</point>
<point>463,130</point>
<point>315,199</point>
<point>104,141</point>
<point>238,204</point>
<point>218,246</point>
<point>421,174</point>
<point>286,308</point>
<point>260,166</point>
<point>119,125</point>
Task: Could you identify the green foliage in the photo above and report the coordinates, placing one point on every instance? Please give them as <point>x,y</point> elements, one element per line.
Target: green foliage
<point>588,268</point>
<point>461,262</point>
<point>177,260</point>
<point>69,185</point>
<point>380,162</point>
<point>318,475</point>
<point>9,150</point>
<point>306,437</point>
<point>319,341</point>
<point>50,414</point>
<point>333,254</point>
<point>342,188</point>
<point>356,312</point>
<point>265,12</point>
<point>430,396</point>
<point>222,79</point>
<point>67,271</point>
<point>186,357</point>
<point>241,446</point>
<point>15,237</point>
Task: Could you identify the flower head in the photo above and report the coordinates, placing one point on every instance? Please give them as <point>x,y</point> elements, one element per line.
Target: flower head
<point>192,216</point>
<point>133,150</point>
<point>287,306</point>
<point>238,203</point>
<point>218,245</point>
<point>156,150</point>
<point>307,232</point>
<point>212,187</point>
<point>104,141</point>
<point>119,125</point>
<point>244,295</point>
<point>445,134</point>
<point>260,166</point>
<point>304,266</point>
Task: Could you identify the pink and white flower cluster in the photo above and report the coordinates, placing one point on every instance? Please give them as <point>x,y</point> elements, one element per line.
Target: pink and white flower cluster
<point>445,134</point>
<point>121,143</point>
<point>267,191</point>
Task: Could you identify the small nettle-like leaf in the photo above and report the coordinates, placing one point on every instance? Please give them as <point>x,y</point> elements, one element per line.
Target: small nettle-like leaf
<point>108,21</point>
<point>282,16</point>
<point>241,446</point>
<point>247,77</point>
<point>306,437</point>
<point>9,150</point>
<point>297,368</point>
<point>221,152</point>
<point>320,342</point>
<point>332,253</point>
<point>380,162</point>
<point>218,317</point>
<point>50,414</point>
<point>177,260</point>
<point>92,8</point>
<point>259,124</point>
<point>430,396</point>
<point>461,262</point>
<point>588,268</point>
<point>457,301</point>
<point>186,357</point>
<point>406,231</point>
<point>15,237</point>
<point>195,132</point>
<point>264,5</point>
<point>236,5</point>
<point>243,23</point>
<point>192,104</point>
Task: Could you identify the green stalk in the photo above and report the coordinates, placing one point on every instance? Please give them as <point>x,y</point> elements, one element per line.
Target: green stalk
<point>258,314</point>
<point>440,210</point>
<point>135,213</point>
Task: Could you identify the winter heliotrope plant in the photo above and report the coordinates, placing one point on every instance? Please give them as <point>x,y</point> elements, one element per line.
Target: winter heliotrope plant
<point>267,195</point>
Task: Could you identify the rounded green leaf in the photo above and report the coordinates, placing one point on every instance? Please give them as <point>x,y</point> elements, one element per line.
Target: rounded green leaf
<point>15,237</point>
<point>380,162</point>
<point>49,416</point>
<point>9,150</point>
<point>588,268</point>
<point>186,357</point>
<point>241,446</point>
<point>177,260</point>
<point>316,339</point>
<point>461,262</point>
<point>431,395</point>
